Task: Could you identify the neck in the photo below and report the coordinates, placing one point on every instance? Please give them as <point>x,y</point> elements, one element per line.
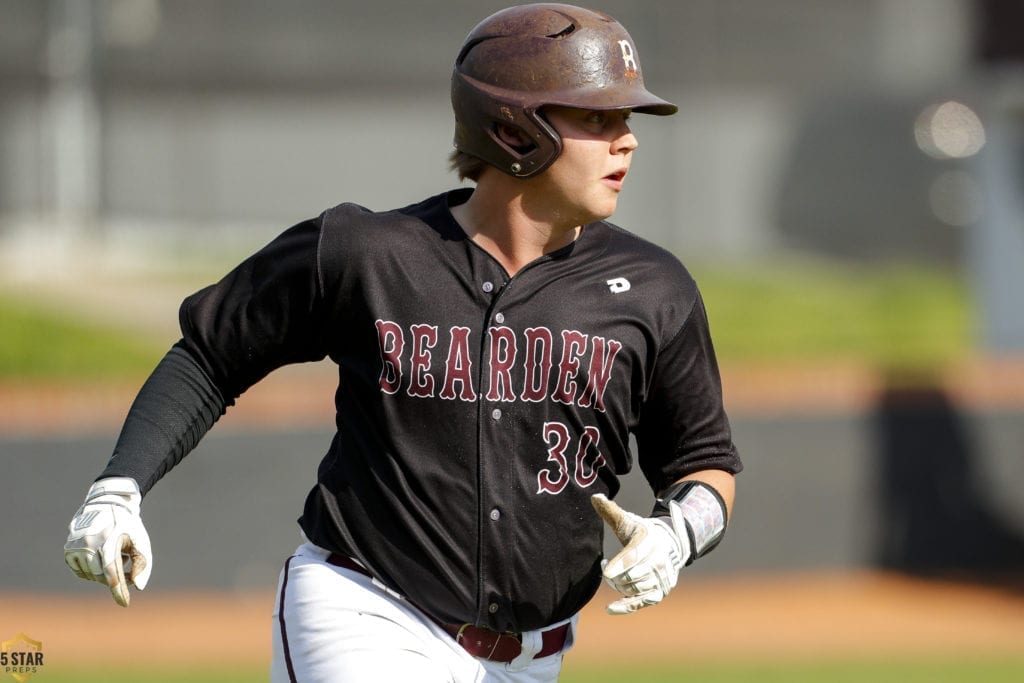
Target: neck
<point>501,220</point>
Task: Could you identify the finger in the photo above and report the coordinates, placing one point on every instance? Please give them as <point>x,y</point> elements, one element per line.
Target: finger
<point>628,605</point>
<point>71,560</point>
<point>635,553</point>
<point>142,561</point>
<point>139,574</point>
<point>77,565</point>
<point>622,523</point>
<point>121,595</point>
<point>639,584</point>
<point>91,565</point>
<point>113,572</point>
<point>627,586</point>
<point>625,606</point>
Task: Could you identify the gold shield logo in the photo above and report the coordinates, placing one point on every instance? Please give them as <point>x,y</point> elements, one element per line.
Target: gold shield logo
<point>21,657</point>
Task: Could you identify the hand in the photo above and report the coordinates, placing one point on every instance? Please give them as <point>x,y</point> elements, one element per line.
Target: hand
<point>106,538</point>
<point>647,568</point>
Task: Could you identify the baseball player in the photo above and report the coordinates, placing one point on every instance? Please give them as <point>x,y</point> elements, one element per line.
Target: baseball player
<point>496,347</point>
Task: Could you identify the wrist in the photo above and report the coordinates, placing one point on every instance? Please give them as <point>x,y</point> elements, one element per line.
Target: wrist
<point>697,511</point>
<point>123,491</point>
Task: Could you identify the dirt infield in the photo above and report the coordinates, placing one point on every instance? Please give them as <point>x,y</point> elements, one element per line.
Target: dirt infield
<point>819,616</point>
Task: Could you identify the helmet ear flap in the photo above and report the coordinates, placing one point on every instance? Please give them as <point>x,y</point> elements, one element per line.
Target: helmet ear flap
<point>540,144</point>
<point>478,116</point>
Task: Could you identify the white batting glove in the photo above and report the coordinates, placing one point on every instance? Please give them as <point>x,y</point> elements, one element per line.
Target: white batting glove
<point>647,568</point>
<point>106,538</point>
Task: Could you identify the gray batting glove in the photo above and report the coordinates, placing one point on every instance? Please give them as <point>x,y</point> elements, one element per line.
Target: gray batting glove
<point>647,567</point>
<point>106,538</point>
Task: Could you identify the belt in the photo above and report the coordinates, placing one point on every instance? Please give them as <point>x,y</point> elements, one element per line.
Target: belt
<point>476,640</point>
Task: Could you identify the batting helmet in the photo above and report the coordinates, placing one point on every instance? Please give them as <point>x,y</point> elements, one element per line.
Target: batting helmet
<point>523,58</point>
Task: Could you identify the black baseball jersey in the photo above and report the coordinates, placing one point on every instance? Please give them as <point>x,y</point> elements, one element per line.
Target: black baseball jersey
<point>476,412</point>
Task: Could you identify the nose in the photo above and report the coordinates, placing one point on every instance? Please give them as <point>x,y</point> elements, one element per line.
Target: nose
<point>625,141</point>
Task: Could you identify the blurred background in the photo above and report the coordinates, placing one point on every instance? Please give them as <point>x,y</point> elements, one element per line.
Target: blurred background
<point>845,179</point>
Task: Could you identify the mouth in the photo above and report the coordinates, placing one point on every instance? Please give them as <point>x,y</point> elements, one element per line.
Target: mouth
<point>615,179</point>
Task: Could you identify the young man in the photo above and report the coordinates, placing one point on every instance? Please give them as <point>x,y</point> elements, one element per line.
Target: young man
<point>496,348</point>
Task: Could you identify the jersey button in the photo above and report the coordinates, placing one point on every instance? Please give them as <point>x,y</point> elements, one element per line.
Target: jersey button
<point>499,318</point>
<point>496,413</point>
<point>488,287</point>
<point>495,515</point>
<point>492,608</point>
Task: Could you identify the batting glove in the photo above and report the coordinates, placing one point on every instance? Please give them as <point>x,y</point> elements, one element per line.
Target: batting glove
<point>106,538</point>
<point>647,568</point>
<point>687,522</point>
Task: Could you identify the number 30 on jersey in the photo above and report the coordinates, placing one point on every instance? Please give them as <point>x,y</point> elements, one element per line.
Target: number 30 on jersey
<point>582,468</point>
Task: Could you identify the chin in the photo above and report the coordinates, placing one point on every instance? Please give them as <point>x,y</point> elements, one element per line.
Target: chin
<point>605,212</point>
<point>594,209</point>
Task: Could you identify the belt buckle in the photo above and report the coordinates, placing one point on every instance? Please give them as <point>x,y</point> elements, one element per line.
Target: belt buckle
<point>477,648</point>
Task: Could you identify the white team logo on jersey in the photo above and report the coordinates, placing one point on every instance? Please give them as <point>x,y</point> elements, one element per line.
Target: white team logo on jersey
<point>618,285</point>
<point>627,57</point>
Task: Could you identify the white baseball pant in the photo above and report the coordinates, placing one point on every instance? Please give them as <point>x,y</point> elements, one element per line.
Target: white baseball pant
<point>332,624</point>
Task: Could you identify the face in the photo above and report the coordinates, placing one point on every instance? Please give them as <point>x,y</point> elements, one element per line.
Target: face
<point>584,182</point>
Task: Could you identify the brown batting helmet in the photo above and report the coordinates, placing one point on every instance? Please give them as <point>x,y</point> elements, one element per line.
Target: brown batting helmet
<point>522,58</point>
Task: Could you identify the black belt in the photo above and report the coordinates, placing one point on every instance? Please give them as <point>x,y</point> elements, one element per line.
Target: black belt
<point>476,640</point>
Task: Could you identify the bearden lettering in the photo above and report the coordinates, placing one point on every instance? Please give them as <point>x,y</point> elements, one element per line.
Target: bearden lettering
<point>584,365</point>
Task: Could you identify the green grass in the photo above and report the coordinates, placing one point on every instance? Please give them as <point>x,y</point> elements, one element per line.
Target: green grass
<point>897,317</point>
<point>152,674</point>
<point>876,671</point>
<point>938,671</point>
<point>39,343</point>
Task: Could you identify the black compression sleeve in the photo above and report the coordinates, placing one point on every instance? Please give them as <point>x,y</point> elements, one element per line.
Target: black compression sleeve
<point>175,407</point>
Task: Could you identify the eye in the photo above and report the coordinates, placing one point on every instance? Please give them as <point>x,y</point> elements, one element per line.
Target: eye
<point>605,118</point>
